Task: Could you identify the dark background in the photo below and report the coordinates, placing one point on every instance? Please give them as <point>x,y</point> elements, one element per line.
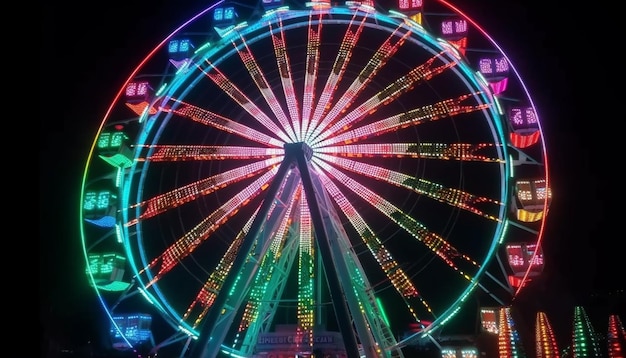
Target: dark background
<point>566,55</point>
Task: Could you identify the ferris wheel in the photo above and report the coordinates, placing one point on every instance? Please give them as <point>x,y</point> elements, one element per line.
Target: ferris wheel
<point>354,168</point>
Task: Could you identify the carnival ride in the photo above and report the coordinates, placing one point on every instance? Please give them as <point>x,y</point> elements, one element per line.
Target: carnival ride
<point>362,167</point>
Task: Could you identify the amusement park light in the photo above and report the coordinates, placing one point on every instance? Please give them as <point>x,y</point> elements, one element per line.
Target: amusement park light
<point>532,196</point>
<point>412,9</point>
<point>179,49</point>
<point>509,342</point>
<point>489,317</point>
<point>111,141</point>
<point>224,16</point>
<point>138,91</point>
<point>130,329</point>
<point>100,206</point>
<point>455,31</point>
<point>97,200</point>
<point>107,271</point>
<point>524,121</point>
<point>545,342</point>
<point>112,148</point>
<point>523,258</point>
<point>138,97</point>
<point>410,5</point>
<point>493,67</point>
<point>495,70</point>
<point>616,337</point>
<point>584,339</point>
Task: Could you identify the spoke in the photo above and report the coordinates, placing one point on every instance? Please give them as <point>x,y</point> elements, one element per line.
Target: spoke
<point>264,87</point>
<point>402,85</point>
<point>240,98</point>
<point>360,83</point>
<point>306,265</point>
<point>262,281</point>
<point>205,298</point>
<point>441,151</point>
<point>274,254</point>
<point>437,244</point>
<point>398,278</point>
<point>175,198</point>
<point>184,246</point>
<point>214,120</point>
<point>428,113</point>
<point>450,196</point>
<point>341,62</point>
<point>284,70</point>
<point>175,153</point>
<point>310,78</point>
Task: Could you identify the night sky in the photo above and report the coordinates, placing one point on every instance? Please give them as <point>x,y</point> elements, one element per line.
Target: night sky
<point>566,56</point>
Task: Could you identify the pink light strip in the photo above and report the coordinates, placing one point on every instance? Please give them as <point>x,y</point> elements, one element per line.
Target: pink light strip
<point>398,278</point>
<point>434,242</point>
<point>282,60</point>
<point>240,98</point>
<point>173,153</point>
<point>266,90</point>
<point>375,63</point>
<point>341,61</point>
<point>214,120</point>
<point>450,196</point>
<point>184,246</point>
<point>429,113</point>
<point>312,68</point>
<point>401,85</point>
<point>172,199</point>
<point>440,151</point>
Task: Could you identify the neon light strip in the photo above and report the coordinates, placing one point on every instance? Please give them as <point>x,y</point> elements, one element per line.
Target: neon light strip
<point>266,90</point>
<point>401,85</point>
<point>282,60</point>
<point>545,341</point>
<point>214,120</point>
<point>172,199</point>
<point>170,153</point>
<point>434,242</point>
<point>312,68</point>
<point>394,272</point>
<point>184,246</point>
<point>375,63</point>
<point>341,62</point>
<point>450,196</point>
<point>441,151</point>
<point>240,98</point>
<point>433,112</point>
